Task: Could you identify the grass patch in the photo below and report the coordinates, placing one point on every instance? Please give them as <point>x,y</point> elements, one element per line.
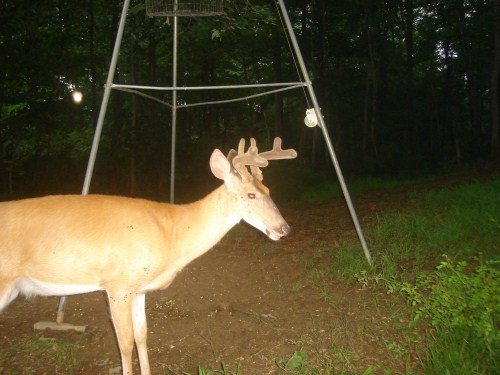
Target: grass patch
<point>460,297</point>
<point>466,219</point>
<point>328,190</point>
<point>461,222</point>
<point>334,363</point>
<point>346,261</point>
<point>26,355</point>
<point>461,302</point>
<point>223,371</point>
<point>457,351</point>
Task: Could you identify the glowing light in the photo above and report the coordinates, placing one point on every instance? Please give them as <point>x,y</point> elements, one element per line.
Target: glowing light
<point>77,96</point>
<point>311,120</point>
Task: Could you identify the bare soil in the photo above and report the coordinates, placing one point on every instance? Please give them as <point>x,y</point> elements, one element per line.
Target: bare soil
<point>249,300</point>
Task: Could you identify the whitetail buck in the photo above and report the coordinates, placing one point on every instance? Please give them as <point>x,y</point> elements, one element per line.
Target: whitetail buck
<point>70,244</point>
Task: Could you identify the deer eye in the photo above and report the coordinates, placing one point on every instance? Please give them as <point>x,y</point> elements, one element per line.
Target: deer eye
<point>251,195</point>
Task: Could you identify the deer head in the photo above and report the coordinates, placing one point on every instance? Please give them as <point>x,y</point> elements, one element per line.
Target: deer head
<point>249,195</point>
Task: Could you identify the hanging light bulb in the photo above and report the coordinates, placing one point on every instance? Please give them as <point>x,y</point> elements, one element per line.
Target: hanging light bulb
<point>311,120</point>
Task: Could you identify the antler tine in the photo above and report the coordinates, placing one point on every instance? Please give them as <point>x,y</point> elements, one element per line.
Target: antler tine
<point>251,158</point>
<point>241,146</point>
<point>231,154</point>
<point>256,173</point>
<point>277,153</point>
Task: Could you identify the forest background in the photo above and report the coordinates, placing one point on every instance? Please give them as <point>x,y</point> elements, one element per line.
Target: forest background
<point>407,87</point>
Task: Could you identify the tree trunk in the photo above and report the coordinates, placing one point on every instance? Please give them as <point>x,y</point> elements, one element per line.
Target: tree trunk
<point>319,47</point>
<point>133,120</point>
<point>412,131</point>
<point>366,103</point>
<point>152,65</point>
<point>116,95</point>
<point>373,141</point>
<point>278,97</point>
<point>452,128</point>
<point>92,61</point>
<point>495,148</point>
<point>370,102</point>
<point>472,79</point>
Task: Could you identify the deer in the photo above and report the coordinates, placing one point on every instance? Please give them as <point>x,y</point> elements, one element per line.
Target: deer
<point>61,245</point>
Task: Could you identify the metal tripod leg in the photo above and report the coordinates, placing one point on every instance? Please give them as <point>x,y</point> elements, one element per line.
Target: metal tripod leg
<point>98,130</point>
<point>325,131</point>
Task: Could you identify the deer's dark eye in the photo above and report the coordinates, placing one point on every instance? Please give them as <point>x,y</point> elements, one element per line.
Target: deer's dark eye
<point>251,195</point>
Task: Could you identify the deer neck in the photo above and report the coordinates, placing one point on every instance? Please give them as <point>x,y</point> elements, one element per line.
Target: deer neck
<point>202,224</point>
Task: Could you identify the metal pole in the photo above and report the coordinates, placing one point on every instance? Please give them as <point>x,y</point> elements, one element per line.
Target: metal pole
<point>174,108</point>
<point>325,131</point>
<point>105,99</point>
<point>191,88</point>
<point>98,130</point>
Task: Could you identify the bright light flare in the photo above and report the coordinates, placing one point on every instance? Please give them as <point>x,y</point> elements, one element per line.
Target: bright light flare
<point>77,96</point>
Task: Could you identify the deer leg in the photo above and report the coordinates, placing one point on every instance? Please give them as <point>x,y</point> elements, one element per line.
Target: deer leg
<point>141,331</point>
<point>120,306</point>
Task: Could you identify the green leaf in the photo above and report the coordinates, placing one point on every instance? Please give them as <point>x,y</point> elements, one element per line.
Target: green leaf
<point>297,360</point>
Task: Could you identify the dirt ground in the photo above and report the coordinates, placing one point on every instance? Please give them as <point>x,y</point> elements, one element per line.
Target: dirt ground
<point>249,300</point>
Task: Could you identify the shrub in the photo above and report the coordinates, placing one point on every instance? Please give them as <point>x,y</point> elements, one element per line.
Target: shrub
<point>461,301</point>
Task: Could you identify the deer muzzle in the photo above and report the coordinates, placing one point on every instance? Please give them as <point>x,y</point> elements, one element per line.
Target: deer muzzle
<point>277,234</point>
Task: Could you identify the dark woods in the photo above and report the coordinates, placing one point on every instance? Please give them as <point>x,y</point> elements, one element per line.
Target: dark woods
<point>406,86</point>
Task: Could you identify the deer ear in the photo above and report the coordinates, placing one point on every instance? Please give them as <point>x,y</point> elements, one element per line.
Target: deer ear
<point>219,165</point>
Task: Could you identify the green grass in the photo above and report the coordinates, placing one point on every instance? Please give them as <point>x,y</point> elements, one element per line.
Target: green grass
<point>457,351</point>
<point>346,261</point>
<point>321,189</point>
<point>461,301</point>
<point>335,362</point>
<point>460,222</point>
<point>26,354</point>
<point>457,297</point>
<point>467,219</point>
<point>223,371</point>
